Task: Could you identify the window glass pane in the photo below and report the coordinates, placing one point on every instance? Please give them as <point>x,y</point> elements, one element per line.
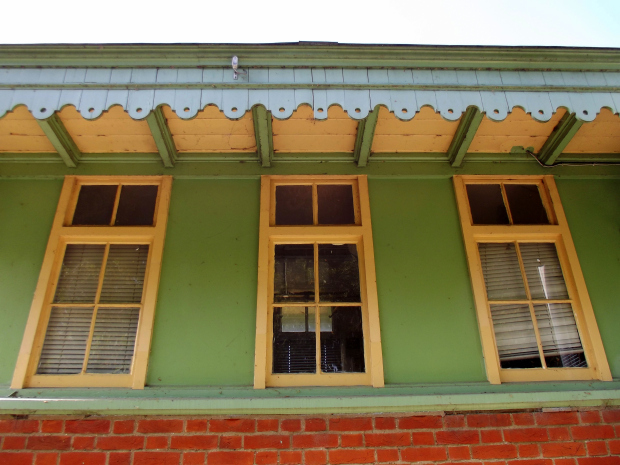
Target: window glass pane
<point>294,273</point>
<point>124,273</point>
<point>486,204</point>
<point>293,205</point>
<point>342,348</point>
<point>335,204</point>
<point>293,352</point>
<point>501,271</point>
<point>297,319</point>
<point>65,341</point>
<point>136,206</point>
<point>79,275</point>
<point>525,204</point>
<point>114,338</point>
<point>339,277</point>
<point>326,319</point>
<point>95,205</point>
<point>515,336</point>
<point>559,336</point>
<point>543,271</point>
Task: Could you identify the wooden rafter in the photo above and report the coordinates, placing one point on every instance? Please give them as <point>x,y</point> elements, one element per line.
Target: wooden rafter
<point>470,121</point>
<point>62,141</point>
<point>559,139</point>
<point>264,134</point>
<point>365,135</point>
<point>162,136</point>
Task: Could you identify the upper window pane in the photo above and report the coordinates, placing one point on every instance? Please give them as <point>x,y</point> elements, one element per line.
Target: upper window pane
<point>487,204</point>
<point>543,271</point>
<point>501,271</point>
<point>136,206</point>
<point>79,275</point>
<point>339,277</point>
<point>95,205</point>
<point>294,273</point>
<point>525,204</point>
<point>294,205</point>
<point>336,204</point>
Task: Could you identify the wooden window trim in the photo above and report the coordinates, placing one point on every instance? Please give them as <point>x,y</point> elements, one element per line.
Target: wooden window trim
<point>556,232</point>
<point>62,234</point>
<point>360,234</point>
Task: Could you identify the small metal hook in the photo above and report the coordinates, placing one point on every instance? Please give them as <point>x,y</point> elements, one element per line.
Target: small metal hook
<point>236,71</point>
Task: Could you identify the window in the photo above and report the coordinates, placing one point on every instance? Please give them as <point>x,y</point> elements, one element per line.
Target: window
<point>535,317</point>
<point>91,319</point>
<point>317,311</point>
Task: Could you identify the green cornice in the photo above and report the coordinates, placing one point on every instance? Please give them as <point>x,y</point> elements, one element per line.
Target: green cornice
<point>313,55</point>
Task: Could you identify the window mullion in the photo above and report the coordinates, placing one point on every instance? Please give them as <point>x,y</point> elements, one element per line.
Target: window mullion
<point>315,204</point>
<point>505,198</point>
<point>315,308</point>
<point>116,201</point>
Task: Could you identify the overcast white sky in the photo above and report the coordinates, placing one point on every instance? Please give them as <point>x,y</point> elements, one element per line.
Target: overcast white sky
<point>588,23</point>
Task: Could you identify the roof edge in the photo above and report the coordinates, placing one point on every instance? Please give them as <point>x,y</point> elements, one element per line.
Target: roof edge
<point>312,54</point>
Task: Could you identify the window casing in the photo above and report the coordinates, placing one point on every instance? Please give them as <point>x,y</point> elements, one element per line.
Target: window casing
<point>91,318</point>
<point>534,314</point>
<point>317,310</point>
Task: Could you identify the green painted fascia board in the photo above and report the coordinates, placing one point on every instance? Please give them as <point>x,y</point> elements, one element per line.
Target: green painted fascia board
<point>313,54</point>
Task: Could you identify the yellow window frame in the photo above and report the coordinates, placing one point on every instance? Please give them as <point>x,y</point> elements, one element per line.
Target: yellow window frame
<point>62,234</point>
<point>360,234</point>
<point>558,233</point>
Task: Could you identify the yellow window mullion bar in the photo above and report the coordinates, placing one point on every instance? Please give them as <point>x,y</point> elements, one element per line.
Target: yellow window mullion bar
<point>317,324</point>
<point>116,201</point>
<point>505,198</point>
<point>315,204</point>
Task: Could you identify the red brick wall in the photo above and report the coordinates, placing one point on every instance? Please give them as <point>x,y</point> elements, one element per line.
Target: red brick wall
<point>586,437</point>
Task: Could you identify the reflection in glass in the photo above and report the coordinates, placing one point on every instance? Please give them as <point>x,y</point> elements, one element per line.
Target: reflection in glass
<point>525,204</point>
<point>486,204</point>
<point>342,348</point>
<point>293,205</point>
<point>335,204</point>
<point>294,273</point>
<point>515,336</point>
<point>339,278</point>
<point>559,336</point>
<point>297,319</point>
<point>136,206</point>
<point>293,351</point>
<point>95,205</point>
<point>501,271</point>
<point>543,271</point>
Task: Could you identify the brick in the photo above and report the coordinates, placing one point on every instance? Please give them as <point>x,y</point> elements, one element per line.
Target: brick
<point>156,442</point>
<point>160,426</point>
<point>49,442</point>
<point>266,457</point>
<point>558,434</point>
<point>350,424</point>
<point>291,426</point>
<point>614,447</point>
<point>51,426</point>
<point>83,443</point>
<point>339,456</point>
<point>500,451</point>
<point>565,461</point>
<point>87,426</point>
<point>290,457</point>
<point>14,443</point>
<point>82,458</point>
<point>156,458</point>
<point>592,432</point>
<point>611,416</point>
<point>596,448</point>
<point>556,418</point>
<point>563,449</point>
<point>388,439</point>
<point>237,425</point>
<point>420,422</point>
<point>120,442</point>
<point>123,426</point>
<point>383,423</point>
<point>16,458</point>
<point>266,425</point>
<point>489,436</point>
<point>230,442</point>
<point>119,458</point>
<point>194,458</point>
<point>46,458</point>
<point>196,426</point>
<point>422,438</point>
<point>387,455</point>
<point>424,454</point>
<point>194,442</point>
<point>229,457</point>
<point>457,437</point>
<point>263,441</point>
<point>311,441</point>
<point>19,426</point>
<point>454,421</point>
<point>590,416</point>
<point>315,457</point>
<point>315,424</point>
<point>599,461</point>
<point>523,419</point>
<point>526,435</point>
<point>458,453</point>
<point>351,440</point>
<point>487,420</point>
<point>528,450</point>
<point>531,462</point>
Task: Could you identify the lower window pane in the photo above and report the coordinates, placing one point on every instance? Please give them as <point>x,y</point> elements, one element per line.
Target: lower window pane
<point>342,341</point>
<point>515,336</point>
<point>294,340</point>
<point>560,338</point>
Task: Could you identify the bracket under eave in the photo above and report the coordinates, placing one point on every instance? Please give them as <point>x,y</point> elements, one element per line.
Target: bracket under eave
<point>464,135</point>
<point>261,118</point>
<point>559,138</point>
<point>62,141</point>
<point>162,136</point>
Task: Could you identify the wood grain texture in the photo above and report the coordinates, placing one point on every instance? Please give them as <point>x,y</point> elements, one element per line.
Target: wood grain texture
<point>600,136</point>
<point>19,132</point>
